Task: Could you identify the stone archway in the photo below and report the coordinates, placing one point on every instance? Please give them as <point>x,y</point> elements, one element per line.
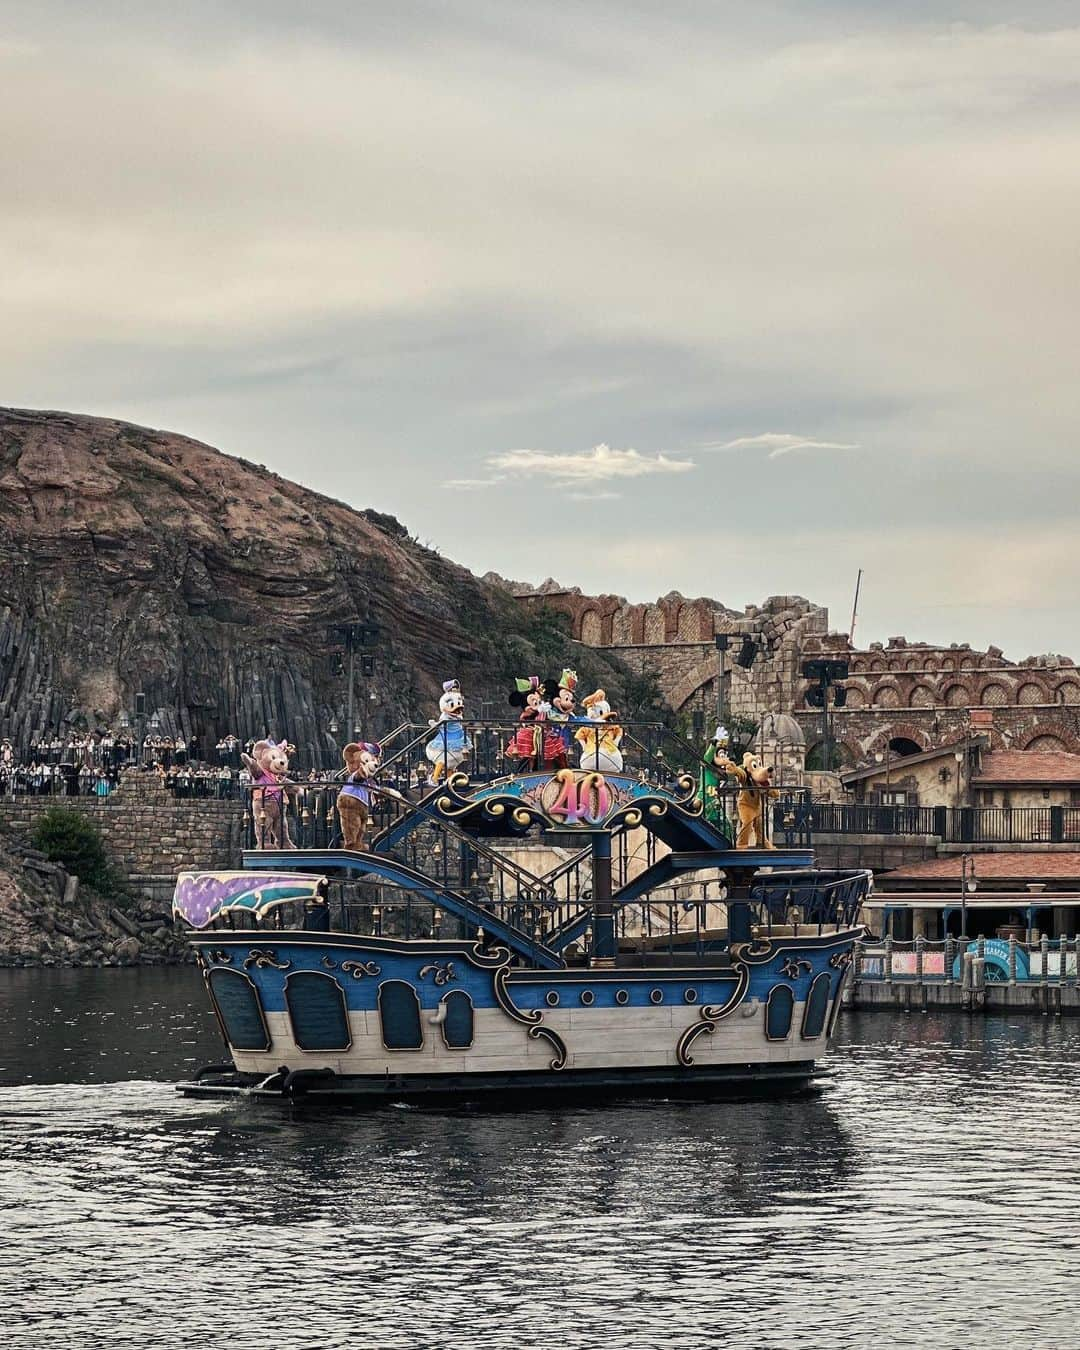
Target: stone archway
<point>1045,742</point>
<point>703,673</point>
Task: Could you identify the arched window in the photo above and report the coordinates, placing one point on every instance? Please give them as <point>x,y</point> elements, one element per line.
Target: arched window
<point>904,745</point>
<point>317,1011</point>
<point>237,1003</point>
<point>399,1013</point>
<point>457,1027</point>
<point>817,1006</point>
<point>779,1007</point>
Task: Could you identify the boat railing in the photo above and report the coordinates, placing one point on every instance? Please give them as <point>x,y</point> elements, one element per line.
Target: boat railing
<point>679,920</point>
<point>819,897</point>
<point>310,809</point>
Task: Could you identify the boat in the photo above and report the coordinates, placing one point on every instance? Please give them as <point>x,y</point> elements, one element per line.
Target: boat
<point>652,958</point>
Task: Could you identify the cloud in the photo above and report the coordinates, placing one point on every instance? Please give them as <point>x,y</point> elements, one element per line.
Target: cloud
<point>594,496</point>
<point>472,484</point>
<point>598,465</point>
<point>779,443</point>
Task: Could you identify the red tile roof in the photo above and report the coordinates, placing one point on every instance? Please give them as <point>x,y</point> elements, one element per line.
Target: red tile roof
<point>1028,766</point>
<point>1018,866</point>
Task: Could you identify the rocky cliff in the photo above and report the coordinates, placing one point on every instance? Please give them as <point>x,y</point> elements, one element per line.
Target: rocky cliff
<point>138,561</point>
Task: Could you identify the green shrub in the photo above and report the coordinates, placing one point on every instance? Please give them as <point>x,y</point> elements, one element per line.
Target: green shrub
<point>67,837</point>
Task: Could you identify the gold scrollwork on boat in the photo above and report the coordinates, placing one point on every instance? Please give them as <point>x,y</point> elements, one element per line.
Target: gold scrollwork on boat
<point>792,966</point>
<point>358,969</point>
<point>262,960</point>
<point>709,1015</point>
<point>530,1017</point>
<point>555,1041</point>
<point>840,960</point>
<point>442,972</point>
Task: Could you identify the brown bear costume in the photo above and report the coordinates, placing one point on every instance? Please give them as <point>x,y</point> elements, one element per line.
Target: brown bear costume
<point>268,765</point>
<point>356,799</point>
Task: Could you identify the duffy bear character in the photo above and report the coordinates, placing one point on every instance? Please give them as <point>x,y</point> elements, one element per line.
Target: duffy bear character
<point>355,800</point>
<point>526,744</point>
<point>268,765</point>
<point>450,745</point>
<point>599,740</point>
<point>753,800</point>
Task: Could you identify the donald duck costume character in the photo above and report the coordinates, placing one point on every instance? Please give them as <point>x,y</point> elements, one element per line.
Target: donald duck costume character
<point>450,745</point>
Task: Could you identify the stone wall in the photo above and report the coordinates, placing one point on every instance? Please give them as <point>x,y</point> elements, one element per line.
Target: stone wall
<point>918,693</point>
<point>146,830</point>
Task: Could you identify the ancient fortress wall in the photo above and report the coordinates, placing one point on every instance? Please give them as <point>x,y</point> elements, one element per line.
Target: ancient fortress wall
<point>922,694</point>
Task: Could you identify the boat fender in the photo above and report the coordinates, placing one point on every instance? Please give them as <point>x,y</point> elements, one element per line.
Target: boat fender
<point>749,1008</point>
<point>297,1081</point>
<point>438,1017</point>
<point>208,1069</point>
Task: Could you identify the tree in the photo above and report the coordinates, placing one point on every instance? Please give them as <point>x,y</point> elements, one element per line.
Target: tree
<point>67,837</point>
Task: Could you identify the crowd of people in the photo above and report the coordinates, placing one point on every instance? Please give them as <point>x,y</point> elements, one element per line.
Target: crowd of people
<point>90,764</point>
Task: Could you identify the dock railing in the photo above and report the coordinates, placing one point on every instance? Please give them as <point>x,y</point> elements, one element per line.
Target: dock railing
<point>924,961</point>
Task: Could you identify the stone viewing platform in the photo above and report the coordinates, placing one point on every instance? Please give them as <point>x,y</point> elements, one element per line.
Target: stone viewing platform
<point>148,832</point>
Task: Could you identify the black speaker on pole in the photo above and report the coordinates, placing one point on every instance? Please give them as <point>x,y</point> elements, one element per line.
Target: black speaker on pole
<point>747,653</point>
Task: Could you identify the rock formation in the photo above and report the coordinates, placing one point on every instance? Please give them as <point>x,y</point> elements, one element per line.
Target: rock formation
<point>138,561</point>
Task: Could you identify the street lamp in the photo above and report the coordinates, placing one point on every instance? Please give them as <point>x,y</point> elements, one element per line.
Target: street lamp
<point>826,675</point>
<point>723,642</point>
<point>958,755</point>
<point>968,884</point>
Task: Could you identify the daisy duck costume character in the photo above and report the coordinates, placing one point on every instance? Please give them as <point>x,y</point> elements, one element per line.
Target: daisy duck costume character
<point>599,740</point>
<point>450,745</point>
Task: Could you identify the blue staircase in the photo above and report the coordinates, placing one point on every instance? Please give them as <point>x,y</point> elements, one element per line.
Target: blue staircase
<point>337,861</point>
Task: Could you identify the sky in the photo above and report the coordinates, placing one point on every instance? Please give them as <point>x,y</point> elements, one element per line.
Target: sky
<point>731,299</point>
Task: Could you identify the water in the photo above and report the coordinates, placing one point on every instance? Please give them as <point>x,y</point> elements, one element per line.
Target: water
<point>929,1197</point>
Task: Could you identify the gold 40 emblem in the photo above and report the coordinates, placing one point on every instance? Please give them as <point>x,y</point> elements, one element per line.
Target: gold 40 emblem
<point>574,798</point>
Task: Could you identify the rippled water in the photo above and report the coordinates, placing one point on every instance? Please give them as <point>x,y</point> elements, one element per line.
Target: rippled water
<point>928,1197</point>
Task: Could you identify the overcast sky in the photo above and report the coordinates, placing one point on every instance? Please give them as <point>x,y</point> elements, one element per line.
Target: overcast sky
<point>728,298</point>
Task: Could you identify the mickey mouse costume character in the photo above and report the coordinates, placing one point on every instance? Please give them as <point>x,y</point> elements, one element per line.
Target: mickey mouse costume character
<point>558,712</point>
<point>450,745</point>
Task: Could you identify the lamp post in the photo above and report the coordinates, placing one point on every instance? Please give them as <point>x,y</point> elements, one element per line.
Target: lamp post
<point>958,755</point>
<point>723,642</point>
<point>357,636</point>
<point>826,675</point>
<point>968,883</point>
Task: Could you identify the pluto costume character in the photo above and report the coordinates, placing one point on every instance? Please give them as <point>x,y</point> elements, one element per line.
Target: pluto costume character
<point>753,800</point>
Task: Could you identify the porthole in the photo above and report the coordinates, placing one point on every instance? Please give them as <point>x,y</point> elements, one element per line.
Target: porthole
<point>657,996</point>
<point>689,995</point>
<point>588,997</point>
<point>551,998</point>
<point>621,996</point>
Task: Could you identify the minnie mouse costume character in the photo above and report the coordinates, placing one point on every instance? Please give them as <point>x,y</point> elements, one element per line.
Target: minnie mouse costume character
<point>526,744</point>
